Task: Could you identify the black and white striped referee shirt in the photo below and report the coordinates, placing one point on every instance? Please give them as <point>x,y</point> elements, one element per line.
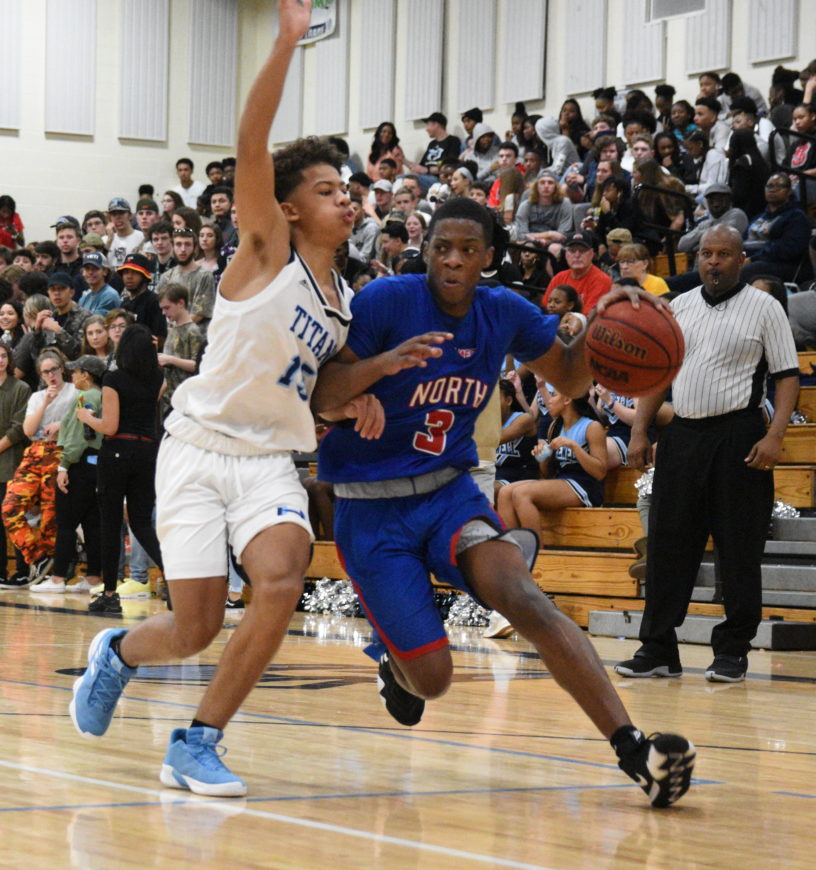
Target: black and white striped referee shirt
<point>732,343</point>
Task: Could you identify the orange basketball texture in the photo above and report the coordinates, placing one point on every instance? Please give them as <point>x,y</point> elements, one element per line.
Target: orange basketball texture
<point>634,352</point>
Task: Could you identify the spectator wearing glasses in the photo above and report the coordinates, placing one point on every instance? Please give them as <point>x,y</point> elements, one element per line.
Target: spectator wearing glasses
<point>777,240</point>
<point>33,486</point>
<point>75,497</point>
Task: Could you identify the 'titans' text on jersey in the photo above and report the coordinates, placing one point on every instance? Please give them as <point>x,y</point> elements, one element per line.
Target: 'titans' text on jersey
<point>251,395</point>
<point>430,412</point>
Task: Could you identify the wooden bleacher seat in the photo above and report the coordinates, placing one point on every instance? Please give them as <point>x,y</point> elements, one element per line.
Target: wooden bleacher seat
<point>661,265</point>
<point>794,484</point>
<point>807,359</point>
<point>807,402</point>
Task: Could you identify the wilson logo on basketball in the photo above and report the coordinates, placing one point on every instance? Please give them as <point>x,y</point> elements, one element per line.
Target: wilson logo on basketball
<point>612,338</point>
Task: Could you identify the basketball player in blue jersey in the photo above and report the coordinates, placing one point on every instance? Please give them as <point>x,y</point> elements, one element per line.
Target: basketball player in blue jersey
<point>406,505</point>
<point>225,473</point>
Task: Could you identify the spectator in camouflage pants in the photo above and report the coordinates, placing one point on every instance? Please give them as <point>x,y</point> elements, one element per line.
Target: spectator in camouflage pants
<point>34,483</point>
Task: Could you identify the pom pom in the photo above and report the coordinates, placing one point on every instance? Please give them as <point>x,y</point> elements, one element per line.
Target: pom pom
<point>465,611</point>
<point>332,596</point>
<point>782,511</point>
<point>644,483</point>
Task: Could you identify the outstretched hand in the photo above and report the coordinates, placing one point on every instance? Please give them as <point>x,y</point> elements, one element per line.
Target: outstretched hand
<point>414,352</point>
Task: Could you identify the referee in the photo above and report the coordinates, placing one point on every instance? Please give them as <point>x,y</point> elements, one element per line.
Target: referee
<point>714,468</point>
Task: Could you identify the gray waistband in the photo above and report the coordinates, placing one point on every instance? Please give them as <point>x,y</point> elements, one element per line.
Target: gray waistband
<point>398,487</point>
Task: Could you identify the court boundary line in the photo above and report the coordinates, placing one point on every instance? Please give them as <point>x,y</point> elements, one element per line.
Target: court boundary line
<point>296,632</point>
<point>291,820</point>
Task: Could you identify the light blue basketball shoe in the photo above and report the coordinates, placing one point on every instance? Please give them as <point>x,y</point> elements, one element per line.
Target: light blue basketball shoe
<point>193,762</point>
<point>100,687</point>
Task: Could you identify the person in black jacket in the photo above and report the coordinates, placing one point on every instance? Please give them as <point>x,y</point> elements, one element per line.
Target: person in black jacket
<point>137,273</point>
<point>127,458</point>
<point>747,173</point>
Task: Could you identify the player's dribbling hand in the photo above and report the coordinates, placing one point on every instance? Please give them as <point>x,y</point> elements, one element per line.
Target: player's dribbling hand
<point>294,17</point>
<point>369,413</point>
<point>635,295</point>
<point>414,352</point>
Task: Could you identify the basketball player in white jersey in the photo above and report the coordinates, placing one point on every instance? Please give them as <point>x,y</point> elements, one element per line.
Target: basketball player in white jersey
<point>225,473</point>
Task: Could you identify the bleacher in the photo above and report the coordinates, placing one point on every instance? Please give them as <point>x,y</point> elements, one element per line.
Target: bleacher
<point>586,552</point>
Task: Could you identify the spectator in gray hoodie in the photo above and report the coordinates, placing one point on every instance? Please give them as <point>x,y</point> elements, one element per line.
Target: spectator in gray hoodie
<point>562,149</point>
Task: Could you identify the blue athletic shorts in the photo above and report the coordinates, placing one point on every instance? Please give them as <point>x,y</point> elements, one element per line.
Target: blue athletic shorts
<point>390,545</point>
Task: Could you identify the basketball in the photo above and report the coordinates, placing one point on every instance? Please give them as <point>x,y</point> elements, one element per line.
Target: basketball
<point>634,352</point>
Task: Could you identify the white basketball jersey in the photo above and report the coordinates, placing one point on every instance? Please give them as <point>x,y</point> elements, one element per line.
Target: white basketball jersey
<point>252,393</point>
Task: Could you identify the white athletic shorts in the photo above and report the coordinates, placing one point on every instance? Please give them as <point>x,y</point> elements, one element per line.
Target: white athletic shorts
<point>205,500</point>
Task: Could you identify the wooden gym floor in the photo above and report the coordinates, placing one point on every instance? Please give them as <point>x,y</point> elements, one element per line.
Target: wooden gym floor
<point>502,772</point>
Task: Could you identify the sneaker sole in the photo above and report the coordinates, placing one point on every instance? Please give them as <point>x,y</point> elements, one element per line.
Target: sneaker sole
<point>714,677</point>
<point>172,779</point>
<point>659,671</point>
<point>88,735</point>
<point>52,590</point>
<point>671,758</point>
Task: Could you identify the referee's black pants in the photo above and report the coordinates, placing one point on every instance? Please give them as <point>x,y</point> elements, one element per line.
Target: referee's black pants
<point>702,486</point>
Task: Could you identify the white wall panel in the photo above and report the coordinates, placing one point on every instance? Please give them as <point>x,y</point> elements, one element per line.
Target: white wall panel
<point>772,29</point>
<point>708,38</point>
<point>376,91</point>
<point>524,38</point>
<point>11,50</point>
<point>475,32</point>
<point>586,37</point>
<point>425,20</point>
<point>70,66</point>
<point>144,64</point>
<point>289,118</point>
<point>333,66</point>
<point>644,58</point>
<point>213,71</point>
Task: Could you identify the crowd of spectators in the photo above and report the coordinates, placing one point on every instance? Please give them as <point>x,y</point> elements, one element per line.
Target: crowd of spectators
<point>579,202</point>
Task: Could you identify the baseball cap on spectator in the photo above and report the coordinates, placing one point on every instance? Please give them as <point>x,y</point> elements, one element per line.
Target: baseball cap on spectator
<point>147,202</point>
<point>87,363</point>
<point>137,263</point>
<point>60,279</point>
<point>474,115</point>
<point>621,235</point>
<point>436,118</point>
<point>383,184</point>
<point>581,237</point>
<point>67,220</point>
<point>718,188</point>
<point>92,240</point>
<point>94,259</point>
<point>119,203</point>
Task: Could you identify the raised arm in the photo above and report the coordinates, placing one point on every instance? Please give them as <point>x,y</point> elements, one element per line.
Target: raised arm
<point>264,248</point>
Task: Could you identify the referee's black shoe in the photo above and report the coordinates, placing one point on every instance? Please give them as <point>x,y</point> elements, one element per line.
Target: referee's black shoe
<point>660,764</point>
<point>727,669</point>
<point>406,708</point>
<point>647,666</point>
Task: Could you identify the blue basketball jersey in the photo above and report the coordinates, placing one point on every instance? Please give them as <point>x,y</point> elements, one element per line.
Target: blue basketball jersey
<point>430,412</point>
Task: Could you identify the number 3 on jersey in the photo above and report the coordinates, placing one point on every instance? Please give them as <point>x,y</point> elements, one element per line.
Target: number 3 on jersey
<point>438,423</point>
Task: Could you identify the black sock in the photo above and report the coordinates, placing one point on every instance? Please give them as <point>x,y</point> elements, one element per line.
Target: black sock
<point>626,739</point>
<point>197,723</point>
<point>115,645</point>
